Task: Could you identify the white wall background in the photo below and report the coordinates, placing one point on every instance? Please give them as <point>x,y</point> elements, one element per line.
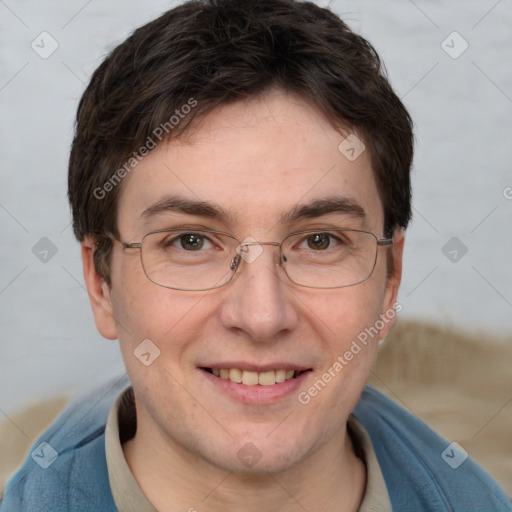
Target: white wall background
<point>462,177</point>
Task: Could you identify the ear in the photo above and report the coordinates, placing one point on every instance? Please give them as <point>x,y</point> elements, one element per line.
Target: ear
<point>390,305</point>
<point>99,293</point>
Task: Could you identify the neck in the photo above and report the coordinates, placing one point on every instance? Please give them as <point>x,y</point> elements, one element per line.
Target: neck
<point>173,478</point>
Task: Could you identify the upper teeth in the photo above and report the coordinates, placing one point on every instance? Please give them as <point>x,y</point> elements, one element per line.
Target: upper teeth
<point>253,378</point>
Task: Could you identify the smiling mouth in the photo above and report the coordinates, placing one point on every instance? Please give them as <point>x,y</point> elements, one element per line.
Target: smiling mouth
<point>251,378</point>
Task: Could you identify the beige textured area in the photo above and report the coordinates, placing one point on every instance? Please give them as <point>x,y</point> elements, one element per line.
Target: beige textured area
<point>459,384</point>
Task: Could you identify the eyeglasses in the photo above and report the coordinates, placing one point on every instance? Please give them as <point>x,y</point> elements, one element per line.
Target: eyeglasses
<point>197,260</point>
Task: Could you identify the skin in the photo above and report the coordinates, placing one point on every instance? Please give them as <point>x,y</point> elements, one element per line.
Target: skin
<point>188,432</point>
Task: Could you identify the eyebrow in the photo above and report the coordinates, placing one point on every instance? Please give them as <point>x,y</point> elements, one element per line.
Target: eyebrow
<point>322,207</point>
<point>179,204</point>
<point>316,208</point>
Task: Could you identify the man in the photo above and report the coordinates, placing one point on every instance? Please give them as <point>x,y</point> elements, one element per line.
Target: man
<point>239,182</point>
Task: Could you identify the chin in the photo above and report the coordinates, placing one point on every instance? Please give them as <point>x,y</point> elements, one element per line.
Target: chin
<point>250,461</point>
<point>257,454</point>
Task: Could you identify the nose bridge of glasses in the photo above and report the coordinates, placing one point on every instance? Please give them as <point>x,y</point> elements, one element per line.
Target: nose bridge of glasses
<point>245,253</point>
<point>254,242</point>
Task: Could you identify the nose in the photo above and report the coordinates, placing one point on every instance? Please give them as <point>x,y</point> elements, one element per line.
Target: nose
<point>258,301</point>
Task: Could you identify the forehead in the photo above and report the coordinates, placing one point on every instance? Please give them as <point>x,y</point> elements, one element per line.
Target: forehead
<point>256,162</point>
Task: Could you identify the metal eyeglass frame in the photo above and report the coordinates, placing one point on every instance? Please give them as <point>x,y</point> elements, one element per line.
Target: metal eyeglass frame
<point>235,262</point>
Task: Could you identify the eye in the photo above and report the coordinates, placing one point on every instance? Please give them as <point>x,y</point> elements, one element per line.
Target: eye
<point>192,241</point>
<point>321,241</point>
<point>189,242</point>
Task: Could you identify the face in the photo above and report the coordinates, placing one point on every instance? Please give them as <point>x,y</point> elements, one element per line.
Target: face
<point>255,162</point>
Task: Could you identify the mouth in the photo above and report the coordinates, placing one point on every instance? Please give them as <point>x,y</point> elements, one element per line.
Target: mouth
<point>255,378</point>
<point>256,384</point>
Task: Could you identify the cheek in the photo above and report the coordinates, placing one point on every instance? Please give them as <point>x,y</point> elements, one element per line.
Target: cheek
<point>160,314</point>
<point>347,322</point>
<point>161,330</point>
<point>346,312</point>
<point>342,321</point>
<point>146,311</point>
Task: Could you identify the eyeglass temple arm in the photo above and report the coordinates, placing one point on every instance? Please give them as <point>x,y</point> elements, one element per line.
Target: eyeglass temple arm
<point>125,245</point>
<point>131,245</point>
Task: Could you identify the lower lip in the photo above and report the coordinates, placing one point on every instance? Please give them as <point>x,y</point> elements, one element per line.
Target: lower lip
<point>258,394</point>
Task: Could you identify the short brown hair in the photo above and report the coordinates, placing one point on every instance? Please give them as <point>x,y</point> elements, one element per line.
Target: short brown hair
<point>221,51</point>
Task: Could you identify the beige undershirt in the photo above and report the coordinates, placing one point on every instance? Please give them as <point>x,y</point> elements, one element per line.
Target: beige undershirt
<point>129,497</point>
